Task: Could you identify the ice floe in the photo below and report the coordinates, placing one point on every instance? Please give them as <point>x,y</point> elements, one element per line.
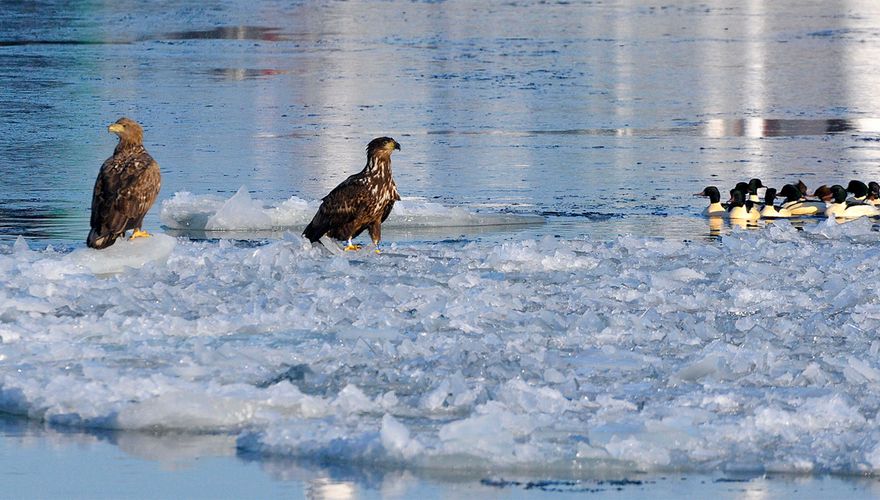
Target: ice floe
<point>758,352</point>
<point>189,212</point>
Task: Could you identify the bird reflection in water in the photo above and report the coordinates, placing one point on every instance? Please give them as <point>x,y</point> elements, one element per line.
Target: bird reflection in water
<point>239,74</point>
<point>716,224</point>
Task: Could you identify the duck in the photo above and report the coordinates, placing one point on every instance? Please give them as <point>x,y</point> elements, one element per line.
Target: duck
<point>796,204</point>
<point>840,207</point>
<point>822,193</point>
<point>858,189</point>
<point>873,194</point>
<point>746,189</point>
<point>715,208</point>
<point>801,186</point>
<point>741,209</point>
<point>771,211</point>
<point>753,186</point>
<point>750,190</point>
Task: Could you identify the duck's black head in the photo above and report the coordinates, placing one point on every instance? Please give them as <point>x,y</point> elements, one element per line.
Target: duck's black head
<point>838,193</point>
<point>712,192</point>
<point>858,188</point>
<point>754,185</point>
<point>769,196</point>
<point>790,193</point>
<point>737,198</point>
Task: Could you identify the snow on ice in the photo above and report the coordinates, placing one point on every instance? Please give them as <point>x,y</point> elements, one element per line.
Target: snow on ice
<point>758,352</point>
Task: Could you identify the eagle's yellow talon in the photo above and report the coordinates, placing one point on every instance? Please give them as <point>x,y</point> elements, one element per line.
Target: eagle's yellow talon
<point>352,247</point>
<point>139,234</point>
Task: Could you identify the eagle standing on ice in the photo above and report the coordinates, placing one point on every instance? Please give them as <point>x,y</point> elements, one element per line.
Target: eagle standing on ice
<point>126,188</point>
<point>363,201</point>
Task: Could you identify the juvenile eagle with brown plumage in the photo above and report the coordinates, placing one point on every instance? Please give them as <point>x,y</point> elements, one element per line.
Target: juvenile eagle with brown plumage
<point>126,188</point>
<point>363,201</point>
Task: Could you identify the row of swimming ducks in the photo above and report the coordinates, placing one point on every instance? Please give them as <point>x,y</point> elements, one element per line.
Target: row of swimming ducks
<point>856,200</point>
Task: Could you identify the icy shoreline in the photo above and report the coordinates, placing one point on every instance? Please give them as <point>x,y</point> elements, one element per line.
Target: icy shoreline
<point>757,353</point>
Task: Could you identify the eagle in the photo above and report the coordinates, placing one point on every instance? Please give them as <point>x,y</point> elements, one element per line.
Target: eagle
<point>363,201</point>
<point>125,189</point>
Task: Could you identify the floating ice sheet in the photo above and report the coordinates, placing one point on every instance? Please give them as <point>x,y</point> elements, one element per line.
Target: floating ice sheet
<point>758,352</point>
<point>186,211</point>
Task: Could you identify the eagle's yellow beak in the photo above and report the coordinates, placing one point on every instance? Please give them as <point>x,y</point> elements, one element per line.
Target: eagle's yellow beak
<point>115,128</point>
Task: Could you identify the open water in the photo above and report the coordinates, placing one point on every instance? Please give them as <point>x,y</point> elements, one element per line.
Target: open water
<point>550,312</point>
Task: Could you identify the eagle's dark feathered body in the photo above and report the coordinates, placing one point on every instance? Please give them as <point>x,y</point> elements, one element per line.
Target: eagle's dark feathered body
<point>125,189</point>
<point>363,201</point>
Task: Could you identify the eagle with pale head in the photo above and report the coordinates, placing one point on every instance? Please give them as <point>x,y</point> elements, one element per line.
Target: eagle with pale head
<point>125,189</point>
<point>363,201</point>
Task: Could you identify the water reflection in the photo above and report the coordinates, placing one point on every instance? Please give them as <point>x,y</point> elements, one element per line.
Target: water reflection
<point>185,460</point>
<point>227,33</point>
<point>19,43</point>
<point>38,222</point>
<point>239,74</point>
<point>716,224</point>
<point>325,489</point>
<point>763,127</point>
<point>716,128</point>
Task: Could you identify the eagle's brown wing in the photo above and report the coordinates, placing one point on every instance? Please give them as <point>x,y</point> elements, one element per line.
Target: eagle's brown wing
<point>340,210</point>
<point>124,191</point>
<point>395,196</point>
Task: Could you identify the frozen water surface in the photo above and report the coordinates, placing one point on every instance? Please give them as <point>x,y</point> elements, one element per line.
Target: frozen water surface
<point>548,303</point>
<point>758,353</point>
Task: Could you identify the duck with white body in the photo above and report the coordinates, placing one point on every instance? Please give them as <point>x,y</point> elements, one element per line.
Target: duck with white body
<point>840,207</point>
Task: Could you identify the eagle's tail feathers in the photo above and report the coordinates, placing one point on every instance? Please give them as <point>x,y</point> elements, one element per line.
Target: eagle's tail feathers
<point>314,231</point>
<point>99,241</point>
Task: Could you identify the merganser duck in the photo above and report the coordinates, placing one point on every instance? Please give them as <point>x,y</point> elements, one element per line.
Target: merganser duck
<point>753,187</point>
<point>770,211</point>
<point>823,193</point>
<point>740,208</point>
<point>858,189</point>
<point>801,187</point>
<point>715,208</point>
<point>797,205</point>
<point>873,194</point>
<point>840,207</point>
<point>746,188</point>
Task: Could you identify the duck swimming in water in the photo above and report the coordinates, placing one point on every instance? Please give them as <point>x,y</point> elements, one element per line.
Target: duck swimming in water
<point>797,204</point>
<point>822,193</point>
<point>771,211</point>
<point>840,207</point>
<point>858,189</point>
<point>715,208</point>
<point>740,208</point>
<point>753,186</point>
<point>873,194</point>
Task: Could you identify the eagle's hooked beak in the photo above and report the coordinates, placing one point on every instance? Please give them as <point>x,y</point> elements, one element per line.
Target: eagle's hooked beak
<point>115,128</point>
<point>397,145</point>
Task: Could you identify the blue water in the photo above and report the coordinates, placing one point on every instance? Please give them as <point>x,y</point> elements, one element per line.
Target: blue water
<point>605,116</point>
<point>602,118</point>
